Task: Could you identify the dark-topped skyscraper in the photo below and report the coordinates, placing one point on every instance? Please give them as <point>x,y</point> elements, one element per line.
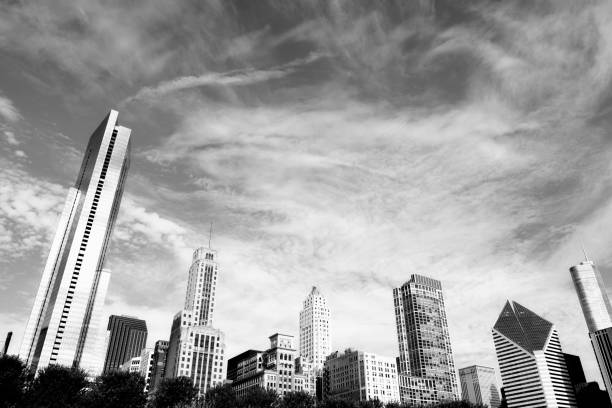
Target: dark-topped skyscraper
<point>66,324</point>
<point>425,353</point>
<point>531,361</point>
<point>127,336</point>
<point>597,313</point>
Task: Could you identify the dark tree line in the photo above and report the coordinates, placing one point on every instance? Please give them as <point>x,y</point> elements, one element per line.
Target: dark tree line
<point>64,387</point>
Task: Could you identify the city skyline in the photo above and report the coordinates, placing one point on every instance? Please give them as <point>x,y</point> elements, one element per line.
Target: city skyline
<point>345,147</point>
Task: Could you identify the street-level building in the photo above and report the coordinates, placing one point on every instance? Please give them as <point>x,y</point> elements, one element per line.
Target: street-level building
<point>359,376</point>
<point>478,386</point>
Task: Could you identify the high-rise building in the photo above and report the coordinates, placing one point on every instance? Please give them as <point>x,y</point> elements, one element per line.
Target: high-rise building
<point>574,369</point>
<point>195,348</point>
<point>531,360</point>
<point>424,341</point>
<point>273,369</point>
<point>66,324</point>
<point>158,371</point>
<point>597,313</point>
<point>315,335</point>
<point>478,386</point>
<point>358,376</point>
<point>127,336</point>
<point>7,343</point>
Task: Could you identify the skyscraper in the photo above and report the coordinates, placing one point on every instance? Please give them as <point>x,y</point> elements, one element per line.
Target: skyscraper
<point>478,386</point>
<point>531,361</point>
<point>424,341</point>
<point>315,336</point>
<point>127,336</point>
<point>66,324</point>
<point>597,310</point>
<point>160,354</point>
<point>195,348</point>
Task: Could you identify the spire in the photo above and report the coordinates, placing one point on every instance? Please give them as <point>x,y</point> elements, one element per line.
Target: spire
<point>586,257</point>
<point>210,236</point>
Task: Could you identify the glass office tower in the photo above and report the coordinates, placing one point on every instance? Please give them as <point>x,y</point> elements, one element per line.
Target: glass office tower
<point>66,323</point>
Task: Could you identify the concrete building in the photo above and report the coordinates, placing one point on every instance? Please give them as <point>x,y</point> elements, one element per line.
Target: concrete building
<point>531,361</point>
<point>359,376</point>
<point>196,349</point>
<point>315,331</point>
<point>597,313</point>
<point>146,367</point>
<point>66,323</point>
<point>131,366</point>
<point>127,336</point>
<point>273,369</point>
<point>158,363</point>
<point>424,341</point>
<point>478,386</point>
<point>310,372</point>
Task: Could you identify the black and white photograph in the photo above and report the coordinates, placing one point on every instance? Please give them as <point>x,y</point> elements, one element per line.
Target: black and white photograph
<point>305,203</point>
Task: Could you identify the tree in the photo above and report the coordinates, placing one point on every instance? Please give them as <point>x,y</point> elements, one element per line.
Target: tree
<point>338,403</point>
<point>14,377</point>
<point>222,396</point>
<point>297,399</point>
<point>117,389</point>
<point>259,397</point>
<point>174,393</point>
<point>373,403</point>
<point>57,386</point>
<point>458,404</point>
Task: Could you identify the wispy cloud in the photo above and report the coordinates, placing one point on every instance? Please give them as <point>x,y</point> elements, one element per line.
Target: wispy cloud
<point>240,77</point>
<point>8,110</point>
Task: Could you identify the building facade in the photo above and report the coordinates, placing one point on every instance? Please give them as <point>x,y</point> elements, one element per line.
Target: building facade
<point>273,369</point>
<point>196,349</point>
<point>597,311</point>
<point>315,331</point>
<point>127,336</point>
<point>158,363</point>
<point>66,323</point>
<point>478,386</point>
<point>424,341</point>
<point>358,376</point>
<point>531,361</point>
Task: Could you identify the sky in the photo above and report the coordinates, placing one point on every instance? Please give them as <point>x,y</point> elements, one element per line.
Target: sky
<point>345,144</point>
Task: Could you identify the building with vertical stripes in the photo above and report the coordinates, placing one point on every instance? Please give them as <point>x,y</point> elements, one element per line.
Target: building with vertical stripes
<point>424,341</point>
<point>66,325</point>
<point>127,336</point>
<point>478,386</point>
<point>196,349</point>
<point>315,335</point>
<point>531,361</point>
<point>597,313</point>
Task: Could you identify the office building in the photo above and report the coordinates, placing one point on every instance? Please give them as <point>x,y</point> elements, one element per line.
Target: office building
<point>66,323</point>
<point>478,386</point>
<point>273,369</point>
<point>7,343</point>
<point>315,335</point>
<point>358,376</point>
<point>131,366</point>
<point>127,336</point>
<point>196,349</point>
<point>531,361</point>
<point>310,372</point>
<point>158,364</point>
<point>424,341</point>
<point>596,308</point>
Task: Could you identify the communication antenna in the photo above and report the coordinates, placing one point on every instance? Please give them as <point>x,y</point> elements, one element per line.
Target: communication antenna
<point>586,257</point>
<point>210,236</point>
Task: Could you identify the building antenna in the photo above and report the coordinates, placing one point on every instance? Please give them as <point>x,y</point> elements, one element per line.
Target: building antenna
<point>210,236</point>
<point>586,257</point>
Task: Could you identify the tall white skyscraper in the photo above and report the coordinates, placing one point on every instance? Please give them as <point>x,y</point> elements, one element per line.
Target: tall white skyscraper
<point>315,329</point>
<point>597,310</point>
<point>66,324</point>
<point>531,360</point>
<point>196,349</point>
<point>478,386</point>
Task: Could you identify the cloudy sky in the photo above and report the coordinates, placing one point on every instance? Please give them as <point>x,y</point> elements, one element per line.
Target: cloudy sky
<point>343,144</point>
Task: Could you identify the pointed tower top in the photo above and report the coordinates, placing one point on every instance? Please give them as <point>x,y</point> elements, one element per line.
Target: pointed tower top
<point>210,236</point>
<point>315,291</point>
<point>586,256</point>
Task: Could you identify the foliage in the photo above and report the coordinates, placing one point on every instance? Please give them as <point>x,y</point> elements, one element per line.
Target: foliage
<point>297,399</point>
<point>174,393</point>
<point>117,389</point>
<point>57,386</point>
<point>14,377</point>
<point>220,397</point>
<point>259,397</point>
